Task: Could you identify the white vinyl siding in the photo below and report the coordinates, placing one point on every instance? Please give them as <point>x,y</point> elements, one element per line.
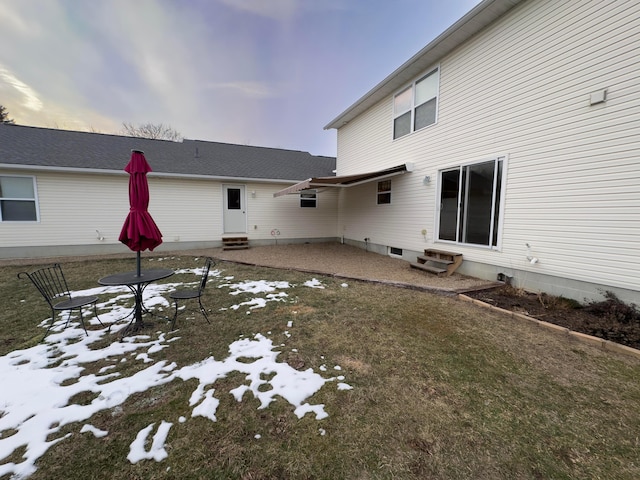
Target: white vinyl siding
<point>522,87</point>
<point>185,210</point>
<point>393,225</point>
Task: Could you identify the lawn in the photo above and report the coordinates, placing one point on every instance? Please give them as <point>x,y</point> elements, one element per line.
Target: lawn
<point>302,376</point>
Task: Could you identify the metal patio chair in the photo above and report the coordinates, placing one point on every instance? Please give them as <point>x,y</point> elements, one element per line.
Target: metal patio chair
<point>51,283</point>
<point>187,294</point>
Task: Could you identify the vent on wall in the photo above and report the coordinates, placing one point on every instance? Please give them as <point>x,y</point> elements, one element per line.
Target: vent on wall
<point>597,97</point>
<point>396,252</point>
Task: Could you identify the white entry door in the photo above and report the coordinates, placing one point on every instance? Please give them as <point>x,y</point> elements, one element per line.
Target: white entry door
<point>235,211</point>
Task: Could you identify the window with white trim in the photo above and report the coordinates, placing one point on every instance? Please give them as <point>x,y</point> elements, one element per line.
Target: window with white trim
<point>470,201</point>
<point>384,192</point>
<point>18,199</point>
<point>308,199</point>
<point>416,106</point>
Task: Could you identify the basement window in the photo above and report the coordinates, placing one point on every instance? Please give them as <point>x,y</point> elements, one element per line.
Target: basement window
<point>395,252</point>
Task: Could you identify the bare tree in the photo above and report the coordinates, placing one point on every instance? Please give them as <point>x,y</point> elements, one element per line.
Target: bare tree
<point>4,116</point>
<point>153,131</point>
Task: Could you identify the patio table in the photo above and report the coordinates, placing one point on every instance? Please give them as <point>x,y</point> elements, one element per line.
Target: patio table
<point>137,284</point>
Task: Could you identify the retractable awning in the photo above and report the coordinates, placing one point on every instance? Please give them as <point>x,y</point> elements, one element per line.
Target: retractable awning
<point>345,180</point>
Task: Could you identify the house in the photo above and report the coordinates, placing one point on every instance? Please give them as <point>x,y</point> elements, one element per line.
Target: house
<point>521,123</point>
<point>513,139</point>
<point>65,192</point>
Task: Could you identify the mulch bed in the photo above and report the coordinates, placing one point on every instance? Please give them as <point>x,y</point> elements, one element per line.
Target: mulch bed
<point>610,319</point>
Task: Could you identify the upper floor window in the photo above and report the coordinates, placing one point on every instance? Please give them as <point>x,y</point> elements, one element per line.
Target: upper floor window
<point>384,192</point>
<point>416,106</point>
<point>17,199</point>
<point>470,203</point>
<point>308,199</point>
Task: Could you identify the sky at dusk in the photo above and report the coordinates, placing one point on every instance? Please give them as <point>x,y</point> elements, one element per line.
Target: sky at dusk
<point>267,73</point>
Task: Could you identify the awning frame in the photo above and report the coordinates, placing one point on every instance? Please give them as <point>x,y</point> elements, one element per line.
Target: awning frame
<point>346,181</point>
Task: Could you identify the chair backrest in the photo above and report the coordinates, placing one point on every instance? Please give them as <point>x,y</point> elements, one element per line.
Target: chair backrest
<point>205,274</point>
<point>49,281</point>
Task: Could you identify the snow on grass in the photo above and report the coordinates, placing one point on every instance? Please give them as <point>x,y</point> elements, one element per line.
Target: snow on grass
<point>39,382</point>
<point>157,451</point>
<point>256,288</point>
<point>313,283</point>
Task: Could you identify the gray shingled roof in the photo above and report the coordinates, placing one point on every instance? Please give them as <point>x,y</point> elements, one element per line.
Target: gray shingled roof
<point>43,147</point>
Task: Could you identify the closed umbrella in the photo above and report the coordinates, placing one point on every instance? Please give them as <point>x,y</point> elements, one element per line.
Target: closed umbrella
<point>139,231</point>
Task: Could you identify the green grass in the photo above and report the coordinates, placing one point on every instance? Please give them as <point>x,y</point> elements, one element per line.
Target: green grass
<point>442,389</point>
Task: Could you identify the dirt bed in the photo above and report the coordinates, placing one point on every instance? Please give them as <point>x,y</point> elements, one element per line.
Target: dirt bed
<point>610,319</point>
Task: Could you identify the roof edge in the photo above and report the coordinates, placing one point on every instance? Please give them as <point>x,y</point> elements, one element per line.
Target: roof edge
<point>99,171</point>
<point>476,19</point>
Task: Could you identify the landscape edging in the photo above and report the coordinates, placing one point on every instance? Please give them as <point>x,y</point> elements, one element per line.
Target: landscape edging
<point>583,337</point>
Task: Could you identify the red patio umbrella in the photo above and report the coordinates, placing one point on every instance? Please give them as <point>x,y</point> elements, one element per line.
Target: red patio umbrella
<point>139,231</point>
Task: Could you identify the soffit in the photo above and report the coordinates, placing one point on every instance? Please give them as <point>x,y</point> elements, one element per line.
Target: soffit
<point>475,20</point>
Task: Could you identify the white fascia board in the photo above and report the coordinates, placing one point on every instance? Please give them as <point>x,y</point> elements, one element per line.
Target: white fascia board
<point>480,16</point>
<point>100,171</point>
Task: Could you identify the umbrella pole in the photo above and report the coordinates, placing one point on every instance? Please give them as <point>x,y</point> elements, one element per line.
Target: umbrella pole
<point>138,264</point>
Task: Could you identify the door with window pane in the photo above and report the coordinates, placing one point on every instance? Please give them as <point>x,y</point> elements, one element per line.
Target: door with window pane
<point>235,212</point>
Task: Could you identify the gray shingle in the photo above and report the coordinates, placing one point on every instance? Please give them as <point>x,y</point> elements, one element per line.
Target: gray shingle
<point>21,145</point>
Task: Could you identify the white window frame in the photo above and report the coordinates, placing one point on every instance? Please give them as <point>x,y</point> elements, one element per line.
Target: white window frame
<point>306,197</point>
<point>383,192</point>
<point>22,199</point>
<point>500,204</point>
<point>412,107</point>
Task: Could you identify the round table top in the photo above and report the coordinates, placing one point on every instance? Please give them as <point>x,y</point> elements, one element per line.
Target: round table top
<point>132,278</point>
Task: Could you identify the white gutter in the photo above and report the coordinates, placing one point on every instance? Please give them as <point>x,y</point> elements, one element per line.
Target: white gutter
<point>100,171</point>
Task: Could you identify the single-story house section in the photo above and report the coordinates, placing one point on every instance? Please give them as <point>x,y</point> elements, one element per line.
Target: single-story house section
<point>522,121</point>
<point>65,192</point>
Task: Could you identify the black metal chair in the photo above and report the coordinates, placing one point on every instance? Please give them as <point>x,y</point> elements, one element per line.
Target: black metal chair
<point>187,294</point>
<point>51,283</point>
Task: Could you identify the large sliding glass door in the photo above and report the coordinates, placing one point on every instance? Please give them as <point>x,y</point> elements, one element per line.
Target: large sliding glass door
<point>470,198</point>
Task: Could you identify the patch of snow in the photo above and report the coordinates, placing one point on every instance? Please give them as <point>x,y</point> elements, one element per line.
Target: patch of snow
<point>96,431</point>
<point>313,283</point>
<point>157,451</point>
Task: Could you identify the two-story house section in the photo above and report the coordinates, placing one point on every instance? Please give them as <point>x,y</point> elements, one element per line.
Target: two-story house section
<point>522,123</point>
